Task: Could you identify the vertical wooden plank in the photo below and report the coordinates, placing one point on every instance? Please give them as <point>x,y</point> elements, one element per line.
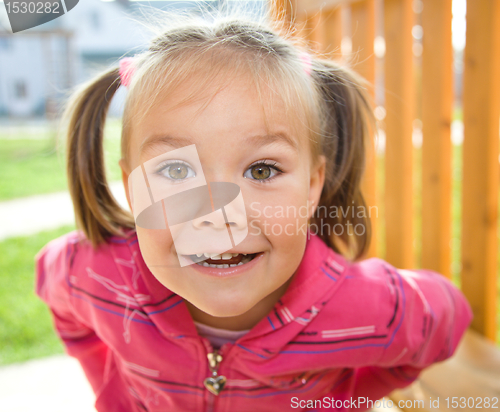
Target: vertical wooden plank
<point>302,27</point>
<point>481,111</point>
<point>306,24</point>
<point>316,34</point>
<point>332,32</point>
<point>363,38</point>
<point>282,13</point>
<point>398,21</point>
<point>299,25</point>
<point>437,103</point>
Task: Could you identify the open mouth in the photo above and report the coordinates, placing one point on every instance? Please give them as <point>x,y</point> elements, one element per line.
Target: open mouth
<point>223,260</point>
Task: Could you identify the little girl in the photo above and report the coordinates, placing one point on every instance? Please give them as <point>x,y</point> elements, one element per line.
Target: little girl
<point>194,303</point>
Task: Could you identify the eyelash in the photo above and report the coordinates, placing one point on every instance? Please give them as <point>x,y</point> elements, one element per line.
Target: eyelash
<point>269,163</point>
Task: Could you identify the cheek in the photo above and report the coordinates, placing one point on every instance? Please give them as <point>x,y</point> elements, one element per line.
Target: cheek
<point>156,247</point>
<point>159,255</point>
<point>281,213</point>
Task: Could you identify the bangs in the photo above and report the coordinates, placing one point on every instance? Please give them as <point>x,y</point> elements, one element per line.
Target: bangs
<point>202,72</point>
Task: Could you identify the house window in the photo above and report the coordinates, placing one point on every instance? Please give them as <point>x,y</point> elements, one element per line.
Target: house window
<point>20,90</point>
<point>95,20</point>
<point>5,43</point>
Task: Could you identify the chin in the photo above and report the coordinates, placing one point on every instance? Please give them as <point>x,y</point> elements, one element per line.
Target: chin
<point>223,308</point>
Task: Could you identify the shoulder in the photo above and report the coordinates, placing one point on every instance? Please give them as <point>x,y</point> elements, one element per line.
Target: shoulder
<point>367,281</point>
<point>368,294</point>
<point>375,297</point>
<point>375,286</point>
<point>74,245</point>
<point>396,316</point>
<point>51,262</point>
<point>374,278</point>
<point>419,314</point>
<point>70,255</point>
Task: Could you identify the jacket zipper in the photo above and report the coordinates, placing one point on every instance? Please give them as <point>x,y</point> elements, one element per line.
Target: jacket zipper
<point>214,383</point>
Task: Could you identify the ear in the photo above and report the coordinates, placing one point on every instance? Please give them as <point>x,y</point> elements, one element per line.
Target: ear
<point>316,184</point>
<point>125,174</point>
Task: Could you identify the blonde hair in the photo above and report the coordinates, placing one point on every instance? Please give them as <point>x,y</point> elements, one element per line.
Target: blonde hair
<point>330,102</point>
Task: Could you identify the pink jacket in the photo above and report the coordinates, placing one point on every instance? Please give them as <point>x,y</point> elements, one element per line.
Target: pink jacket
<point>343,331</point>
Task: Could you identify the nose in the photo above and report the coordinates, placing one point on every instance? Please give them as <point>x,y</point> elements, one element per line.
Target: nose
<point>229,207</point>
<point>235,215</point>
<point>214,220</point>
<point>228,216</point>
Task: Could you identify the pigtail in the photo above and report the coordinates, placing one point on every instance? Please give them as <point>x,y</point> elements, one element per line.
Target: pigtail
<point>97,213</point>
<point>348,119</point>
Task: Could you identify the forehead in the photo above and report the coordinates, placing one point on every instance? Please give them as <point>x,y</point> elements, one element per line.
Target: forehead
<point>229,109</point>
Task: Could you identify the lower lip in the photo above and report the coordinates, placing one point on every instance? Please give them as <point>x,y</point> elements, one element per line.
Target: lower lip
<point>230,271</point>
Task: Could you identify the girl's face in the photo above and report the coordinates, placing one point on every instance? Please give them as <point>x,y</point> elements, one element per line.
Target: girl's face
<point>279,182</point>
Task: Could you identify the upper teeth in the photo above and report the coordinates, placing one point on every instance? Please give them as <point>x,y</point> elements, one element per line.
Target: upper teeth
<point>218,256</point>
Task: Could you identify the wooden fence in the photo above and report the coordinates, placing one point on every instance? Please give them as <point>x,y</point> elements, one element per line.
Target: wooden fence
<point>413,78</point>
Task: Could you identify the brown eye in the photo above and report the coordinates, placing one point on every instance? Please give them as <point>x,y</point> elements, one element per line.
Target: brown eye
<point>261,172</point>
<point>177,171</point>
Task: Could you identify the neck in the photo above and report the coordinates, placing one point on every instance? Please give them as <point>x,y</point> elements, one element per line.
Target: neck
<point>244,321</point>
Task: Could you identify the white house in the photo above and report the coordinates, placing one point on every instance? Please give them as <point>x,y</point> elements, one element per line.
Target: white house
<point>38,66</point>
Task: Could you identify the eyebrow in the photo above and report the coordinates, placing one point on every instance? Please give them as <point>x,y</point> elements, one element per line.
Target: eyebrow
<point>178,142</point>
<point>175,142</point>
<point>268,139</point>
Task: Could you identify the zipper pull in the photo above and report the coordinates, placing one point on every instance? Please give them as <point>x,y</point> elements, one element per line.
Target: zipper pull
<point>216,382</point>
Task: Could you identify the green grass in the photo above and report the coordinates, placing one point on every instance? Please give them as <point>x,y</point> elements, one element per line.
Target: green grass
<point>26,330</point>
<point>32,165</point>
<point>457,113</point>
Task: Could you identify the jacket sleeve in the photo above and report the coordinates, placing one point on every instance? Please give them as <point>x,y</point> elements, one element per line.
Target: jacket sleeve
<point>52,271</point>
<point>430,318</point>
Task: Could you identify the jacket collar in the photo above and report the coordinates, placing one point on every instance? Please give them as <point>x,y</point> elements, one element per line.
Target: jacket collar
<point>317,278</point>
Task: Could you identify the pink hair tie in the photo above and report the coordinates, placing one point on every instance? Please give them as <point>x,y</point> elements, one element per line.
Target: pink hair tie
<point>127,70</point>
<point>306,62</point>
